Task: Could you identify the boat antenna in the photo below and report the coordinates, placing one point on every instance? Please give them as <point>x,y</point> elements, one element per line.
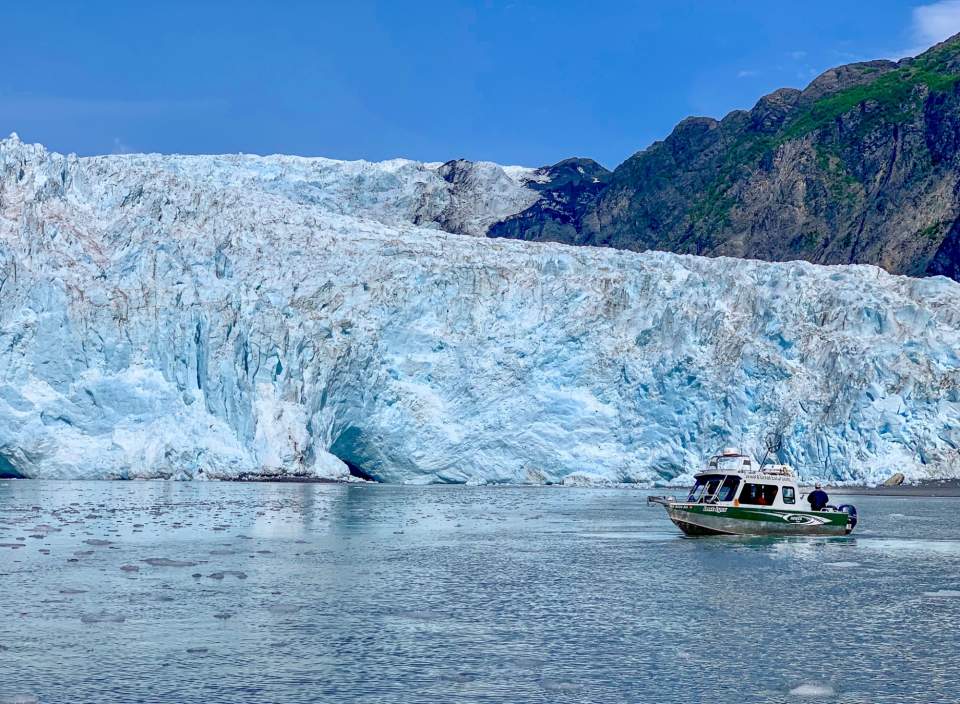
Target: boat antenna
<point>774,443</point>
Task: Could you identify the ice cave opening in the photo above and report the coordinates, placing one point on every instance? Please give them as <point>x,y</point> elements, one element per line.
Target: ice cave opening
<point>7,470</point>
<point>350,448</point>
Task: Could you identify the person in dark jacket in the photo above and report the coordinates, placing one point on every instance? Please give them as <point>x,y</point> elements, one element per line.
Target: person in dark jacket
<point>818,498</point>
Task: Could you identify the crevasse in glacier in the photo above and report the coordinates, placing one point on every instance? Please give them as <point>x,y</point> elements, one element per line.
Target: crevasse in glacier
<point>216,316</point>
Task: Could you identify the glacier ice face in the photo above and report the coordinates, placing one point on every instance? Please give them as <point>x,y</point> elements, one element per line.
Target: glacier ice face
<point>201,317</point>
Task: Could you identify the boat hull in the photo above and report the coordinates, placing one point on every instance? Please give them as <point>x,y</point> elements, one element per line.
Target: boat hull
<point>707,519</point>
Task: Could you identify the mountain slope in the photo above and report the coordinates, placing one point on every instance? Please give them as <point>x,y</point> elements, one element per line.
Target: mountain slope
<point>200,317</point>
<point>863,166</point>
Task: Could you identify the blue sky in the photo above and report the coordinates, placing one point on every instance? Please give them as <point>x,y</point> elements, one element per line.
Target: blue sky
<point>514,82</point>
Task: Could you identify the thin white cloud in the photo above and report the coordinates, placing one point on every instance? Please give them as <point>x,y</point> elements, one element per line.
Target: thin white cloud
<point>931,24</point>
<point>747,73</point>
<point>120,147</point>
<point>934,23</point>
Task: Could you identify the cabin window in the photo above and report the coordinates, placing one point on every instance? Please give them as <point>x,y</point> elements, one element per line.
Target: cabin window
<point>729,489</point>
<point>789,495</point>
<point>758,494</point>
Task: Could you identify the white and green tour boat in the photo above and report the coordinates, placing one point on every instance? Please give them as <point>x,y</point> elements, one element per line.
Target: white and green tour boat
<point>736,496</point>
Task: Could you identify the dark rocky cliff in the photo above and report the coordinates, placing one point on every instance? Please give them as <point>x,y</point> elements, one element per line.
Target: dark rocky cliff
<point>862,166</point>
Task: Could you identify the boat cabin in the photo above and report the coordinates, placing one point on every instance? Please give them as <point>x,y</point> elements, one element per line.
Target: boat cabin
<point>734,479</point>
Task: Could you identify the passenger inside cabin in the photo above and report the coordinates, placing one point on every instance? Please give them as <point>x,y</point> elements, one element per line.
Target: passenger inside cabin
<point>770,493</point>
<point>758,494</point>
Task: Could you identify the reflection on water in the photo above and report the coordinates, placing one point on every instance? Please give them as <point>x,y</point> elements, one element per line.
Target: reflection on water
<point>206,592</point>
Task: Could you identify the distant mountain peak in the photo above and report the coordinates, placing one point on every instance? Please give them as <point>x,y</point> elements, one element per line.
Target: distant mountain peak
<point>860,166</point>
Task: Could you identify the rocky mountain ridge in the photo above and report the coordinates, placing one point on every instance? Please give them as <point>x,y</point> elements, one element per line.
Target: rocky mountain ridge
<point>862,166</point>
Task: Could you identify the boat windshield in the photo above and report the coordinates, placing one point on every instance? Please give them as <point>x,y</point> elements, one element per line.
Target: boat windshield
<point>705,488</point>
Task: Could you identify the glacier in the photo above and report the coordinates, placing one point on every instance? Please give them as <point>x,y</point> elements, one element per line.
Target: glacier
<point>214,317</point>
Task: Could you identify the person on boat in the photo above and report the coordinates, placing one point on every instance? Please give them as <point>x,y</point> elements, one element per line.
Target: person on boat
<point>818,498</point>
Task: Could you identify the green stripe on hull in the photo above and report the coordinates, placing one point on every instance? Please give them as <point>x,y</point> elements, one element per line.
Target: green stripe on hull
<point>704,519</point>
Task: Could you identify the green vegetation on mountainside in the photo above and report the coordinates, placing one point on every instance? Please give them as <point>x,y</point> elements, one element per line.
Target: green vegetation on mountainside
<point>896,97</point>
<point>862,166</point>
<point>895,93</point>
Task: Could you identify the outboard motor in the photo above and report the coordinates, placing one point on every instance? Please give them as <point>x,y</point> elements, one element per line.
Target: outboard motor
<point>851,511</point>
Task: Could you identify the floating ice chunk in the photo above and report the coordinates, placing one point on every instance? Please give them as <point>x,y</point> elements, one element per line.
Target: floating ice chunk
<point>943,594</point>
<point>167,562</point>
<point>560,686</point>
<point>44,528</point>
<point>233,573</point>
<point>813,690</point>
<point>841,565</point>
<point>19,699</point>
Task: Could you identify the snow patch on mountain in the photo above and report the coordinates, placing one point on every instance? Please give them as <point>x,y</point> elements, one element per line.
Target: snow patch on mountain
<point>198,317</point>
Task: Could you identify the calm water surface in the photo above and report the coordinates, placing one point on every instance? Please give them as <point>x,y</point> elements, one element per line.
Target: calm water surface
<point>206,592</point>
